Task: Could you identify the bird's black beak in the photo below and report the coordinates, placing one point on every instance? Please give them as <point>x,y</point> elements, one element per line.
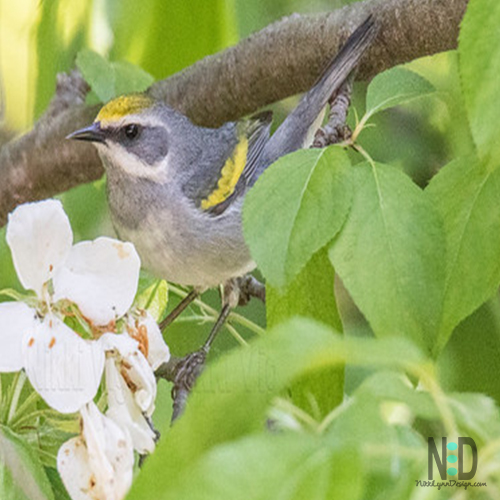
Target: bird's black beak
<point>93,133</point>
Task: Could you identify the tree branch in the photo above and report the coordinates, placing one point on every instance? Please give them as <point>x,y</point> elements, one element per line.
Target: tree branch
<point>281,60</point>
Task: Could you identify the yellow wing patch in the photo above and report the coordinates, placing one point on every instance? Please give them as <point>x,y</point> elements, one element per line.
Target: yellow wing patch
<point>123,106</point>
<point>230,175</point>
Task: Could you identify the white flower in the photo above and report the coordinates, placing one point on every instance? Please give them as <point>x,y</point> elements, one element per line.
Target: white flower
<point>134,367</point>
<point>124,410</point>
<point>156,350</point>
<point>62,367</point>
<point>130,381</point>
<point>16,320</point>
<point>40,238</point>
<point>101,277</point>
<point>98,464</point>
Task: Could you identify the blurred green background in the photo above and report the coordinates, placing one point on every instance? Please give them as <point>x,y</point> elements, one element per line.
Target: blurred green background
<point>38,39</point>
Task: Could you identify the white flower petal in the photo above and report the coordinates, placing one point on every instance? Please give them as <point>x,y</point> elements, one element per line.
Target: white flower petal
<point>63,368</point>
<point>101,276</point>
<point>134,367</point>
<point>124,410</point>
<point>140,375</point>
<point>122,344</point>
<point>111,455</point>
<point>74,468</point>
<point>158,351</point>
<point>99,464</point>
<point>16,321</point>
<point>40,237</point>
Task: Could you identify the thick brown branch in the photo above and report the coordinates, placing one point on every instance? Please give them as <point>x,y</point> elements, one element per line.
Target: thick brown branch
<point>283,59</point>
<point>6,135</point>
<point>286,57</point>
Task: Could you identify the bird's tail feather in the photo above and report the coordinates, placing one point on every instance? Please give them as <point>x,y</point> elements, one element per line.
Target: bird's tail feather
<point>294,130</point>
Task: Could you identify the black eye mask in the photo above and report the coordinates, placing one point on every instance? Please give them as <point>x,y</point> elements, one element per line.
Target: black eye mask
<point>149,144</point>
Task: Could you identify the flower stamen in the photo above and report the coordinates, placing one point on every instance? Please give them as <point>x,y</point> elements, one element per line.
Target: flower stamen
<point>131,385</point>
<point>140,334</point>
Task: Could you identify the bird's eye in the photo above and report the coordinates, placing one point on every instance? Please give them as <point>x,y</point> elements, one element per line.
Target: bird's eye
<point>131,131</point>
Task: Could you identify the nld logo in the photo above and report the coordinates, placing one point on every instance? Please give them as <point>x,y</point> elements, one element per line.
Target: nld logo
<point>455,459</point>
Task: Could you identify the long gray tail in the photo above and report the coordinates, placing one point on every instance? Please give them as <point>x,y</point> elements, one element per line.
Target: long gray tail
<point>294,130</point>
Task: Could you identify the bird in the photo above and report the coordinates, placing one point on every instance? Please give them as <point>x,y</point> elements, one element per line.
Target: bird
<point>176,190</point>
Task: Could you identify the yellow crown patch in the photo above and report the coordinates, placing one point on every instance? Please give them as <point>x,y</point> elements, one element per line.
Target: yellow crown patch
<point>122,106</point>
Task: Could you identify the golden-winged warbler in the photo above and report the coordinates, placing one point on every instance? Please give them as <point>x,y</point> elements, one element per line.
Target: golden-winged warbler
<point>176,190</point>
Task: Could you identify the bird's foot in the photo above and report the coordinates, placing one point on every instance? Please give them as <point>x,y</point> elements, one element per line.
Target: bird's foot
<point>187,371</point>
<point>332,134</point>
<point>183,372</point>
<point>336,129</point>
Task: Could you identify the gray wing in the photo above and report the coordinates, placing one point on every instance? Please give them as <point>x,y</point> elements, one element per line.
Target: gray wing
<point>257,130</point>
<point>222,162</point>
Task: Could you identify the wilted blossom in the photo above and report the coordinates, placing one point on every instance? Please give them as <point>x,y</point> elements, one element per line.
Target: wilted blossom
<point>98,464</point>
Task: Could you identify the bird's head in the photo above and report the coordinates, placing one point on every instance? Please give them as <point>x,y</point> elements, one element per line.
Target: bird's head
<point>131,134</point>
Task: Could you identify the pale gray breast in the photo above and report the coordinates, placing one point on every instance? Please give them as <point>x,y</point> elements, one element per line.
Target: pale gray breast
<point>174,239</point>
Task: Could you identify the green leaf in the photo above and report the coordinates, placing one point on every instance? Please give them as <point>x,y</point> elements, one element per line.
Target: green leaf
<point>267,467</point>
<point>98,73</point>
<point>57,485</point>
<point>295,208</point>
<point>394,455</point>
<point>311,295</point>
<point>232,395</point>
<point>477,415</point>
<point>154,299</point>
<point>130,78</point>
<point>390,255</point>
<point>51,432</point>
<point>466,195</point>
<point>391,386</point>
<point>479,60</point>
<point>22,477</point>
<point>394,87</point>
<point>109,80</point>
<point>476,337</point>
